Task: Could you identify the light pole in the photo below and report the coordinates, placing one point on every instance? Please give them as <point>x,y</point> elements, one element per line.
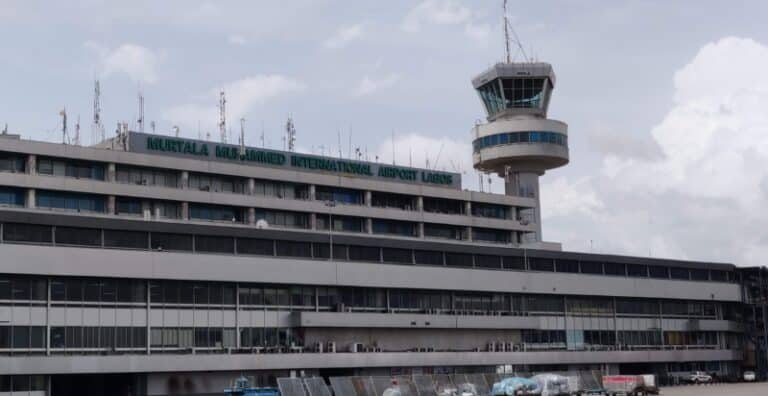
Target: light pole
<point>330,205</point>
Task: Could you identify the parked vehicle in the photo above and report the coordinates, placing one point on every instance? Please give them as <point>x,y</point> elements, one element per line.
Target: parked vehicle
<point>698,377</point>
<point>749,376</point>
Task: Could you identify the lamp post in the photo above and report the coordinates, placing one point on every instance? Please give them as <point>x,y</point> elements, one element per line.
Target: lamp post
<point>330,205</point>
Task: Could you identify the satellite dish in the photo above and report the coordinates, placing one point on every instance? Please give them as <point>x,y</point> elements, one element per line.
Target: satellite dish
<point>261,224</point>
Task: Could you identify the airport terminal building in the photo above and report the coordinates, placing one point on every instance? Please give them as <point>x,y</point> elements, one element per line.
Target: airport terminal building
<point>161,265</point>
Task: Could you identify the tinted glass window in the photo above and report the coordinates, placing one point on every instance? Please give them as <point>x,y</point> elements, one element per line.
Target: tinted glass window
<point>428,257</point>
<point>541,264</point>
<point>78,236</point>
<point>392,255</point>
<point>322,251</point>
<point>571,266</point>
<point>13,232</point>
<point>180,242</point>
<point>658,272</point>
<point>214,244</point>
<point>294,249</point>
<point>591,267</point>
<point>637,271</point>
<point>487,261</point>
<point>680,273</point>
<point>514,263</point>
<point>126,239</point>
<point>263,247</point>
<point>364,253</point>
<point>458,260</point>
<point>615,269</point>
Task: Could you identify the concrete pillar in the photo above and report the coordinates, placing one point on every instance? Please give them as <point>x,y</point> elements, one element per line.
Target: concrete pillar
<point>31,164</point>
<point>421,230</point>
<point>369,225</point>
<point>185,210</point>
<point>312,192</point>
<point>184,179</point>
<point>313,221</point>
<point>512,213</point>
<point>420,203</point>
<point>111,204</point>
<point>468,208</point>
<point>111,172</point>
<point>368,198</point>
<point>251,215</point>
<point>469,233</point>
<point>31,202</point>
<point>251,186</point>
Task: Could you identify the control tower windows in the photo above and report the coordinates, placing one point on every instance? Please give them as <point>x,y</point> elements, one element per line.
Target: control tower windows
<point>70,168</point>
<point>445,231</point>
<point>491,95</point>
<point>391,200</point>
<point>394,227</point>
<point>523,92</point>
<point>444,206</point>
<point>339,195</point>
<point>490,210</point>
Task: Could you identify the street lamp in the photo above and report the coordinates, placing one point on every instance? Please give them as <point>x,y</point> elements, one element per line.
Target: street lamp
<point>330,205</point>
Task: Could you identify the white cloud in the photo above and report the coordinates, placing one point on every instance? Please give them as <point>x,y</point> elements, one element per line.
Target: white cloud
<point>445,12</point>
<point>242,97</point>
<point>704,197</point>
<point>369,85</point>
<point>344,36</point>
<point>236,39</point>
<point>137,62</point>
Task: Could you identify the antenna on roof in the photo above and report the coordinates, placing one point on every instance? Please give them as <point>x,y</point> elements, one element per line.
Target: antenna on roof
<point>176,131</point>
<point>222,117</point>
<point>290,134</point>
<point>140,120</point>
<point>393,147</point>
<point>262,134</point>
<point>97,128</point>
<point>507,40</point>
<point>242,136</point>
<point>63,114</point>
<point>77,131</point>
<point>152,126</point>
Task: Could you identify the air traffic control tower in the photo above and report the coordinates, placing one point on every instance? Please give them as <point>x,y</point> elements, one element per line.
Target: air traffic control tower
<point>519,142</point>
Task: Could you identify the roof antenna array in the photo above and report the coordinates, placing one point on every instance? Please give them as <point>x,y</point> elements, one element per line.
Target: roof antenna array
<point>222,117</point>
<point>140,120</point>
<point>514,39</point>
<point>97,128</point>
<point>242,136</point>
<point>63,114</point>
<point>290,134</point>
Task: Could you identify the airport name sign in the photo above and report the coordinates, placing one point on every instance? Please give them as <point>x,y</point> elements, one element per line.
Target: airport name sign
<point>231,153</point>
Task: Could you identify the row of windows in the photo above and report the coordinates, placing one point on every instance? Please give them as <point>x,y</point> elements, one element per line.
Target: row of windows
<point>520,137</point>
<point>31,233</point>
<point>509,93</point>
<point>70,168</point>
<point>109,291</point>
<point>22,383</point>
<point>98,337</point>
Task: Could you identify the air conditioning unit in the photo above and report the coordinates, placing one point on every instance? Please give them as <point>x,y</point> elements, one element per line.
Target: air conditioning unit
<point>491,347</point>
<point>331,347</point>
<point>355,347</point>
<point>319,347</point>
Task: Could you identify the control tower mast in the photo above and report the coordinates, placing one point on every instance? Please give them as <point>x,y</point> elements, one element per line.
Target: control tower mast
<point>519,142</point>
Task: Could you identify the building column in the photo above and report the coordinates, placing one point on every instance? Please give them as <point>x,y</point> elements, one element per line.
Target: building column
<point>313,221</point>
<point>421,230</point>
<point>184,179</point>
<point>149,318</point>
<point>251,186</point>
<point>251,216</point>
<point>185,210</point>
<point>469,234</point>
<point>468,208</point>
<point>368,198</point>
<point>369,225</point>
<point>111,172</point>
<point>112,205</point>
<point>420,203</point>
<point>31,164</point>
<point>31,202</point>
<point>312,190</point>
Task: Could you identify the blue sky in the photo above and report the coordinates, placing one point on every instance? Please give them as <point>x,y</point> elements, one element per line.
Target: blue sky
<point>626,71</point>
